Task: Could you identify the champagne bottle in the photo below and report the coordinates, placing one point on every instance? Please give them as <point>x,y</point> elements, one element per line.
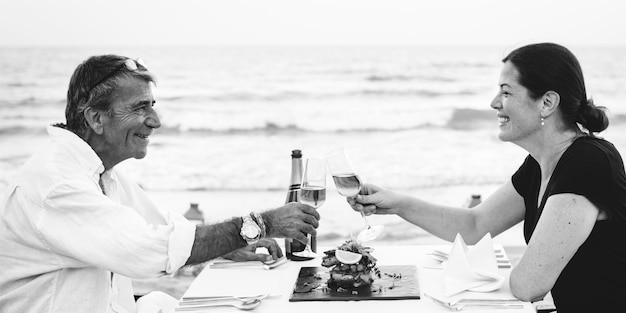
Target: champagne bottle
<point>293,195</point>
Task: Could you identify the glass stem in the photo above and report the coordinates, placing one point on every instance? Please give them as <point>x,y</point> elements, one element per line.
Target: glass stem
<point>308,243</point>
<point>365,219</point>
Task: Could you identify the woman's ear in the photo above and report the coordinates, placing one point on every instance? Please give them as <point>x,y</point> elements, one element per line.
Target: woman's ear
<point>550,103</point>
<point>94,119</point>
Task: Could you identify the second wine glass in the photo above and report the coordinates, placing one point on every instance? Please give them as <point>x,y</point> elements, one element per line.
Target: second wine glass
<point>313,193</point>
<point>349,185</point>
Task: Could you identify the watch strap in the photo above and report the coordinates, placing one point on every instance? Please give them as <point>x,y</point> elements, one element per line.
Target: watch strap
<point>259,220</point>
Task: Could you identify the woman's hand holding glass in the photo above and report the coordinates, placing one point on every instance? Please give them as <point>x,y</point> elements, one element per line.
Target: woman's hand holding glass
<point>375,200</point>
<point>349,185</point>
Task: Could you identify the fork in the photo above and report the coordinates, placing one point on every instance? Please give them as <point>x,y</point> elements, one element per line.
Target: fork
<point>460,304</point>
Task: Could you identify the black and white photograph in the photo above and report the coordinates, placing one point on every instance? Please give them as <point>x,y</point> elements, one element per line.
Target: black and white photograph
<point>312,155</point>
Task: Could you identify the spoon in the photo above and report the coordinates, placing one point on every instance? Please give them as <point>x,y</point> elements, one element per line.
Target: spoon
<point>246,305</point>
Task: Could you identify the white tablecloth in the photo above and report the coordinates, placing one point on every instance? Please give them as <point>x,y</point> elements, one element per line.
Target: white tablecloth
<point>280,281</point>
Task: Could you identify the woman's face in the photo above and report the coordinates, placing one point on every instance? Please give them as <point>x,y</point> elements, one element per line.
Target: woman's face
<point>519,116</point>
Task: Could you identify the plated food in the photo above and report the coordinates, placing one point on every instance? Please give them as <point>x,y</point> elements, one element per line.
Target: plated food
<point>351,265</point>
<point>349,272</point>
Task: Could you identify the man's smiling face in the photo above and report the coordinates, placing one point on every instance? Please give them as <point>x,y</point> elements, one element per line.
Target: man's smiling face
<point>131,121</point>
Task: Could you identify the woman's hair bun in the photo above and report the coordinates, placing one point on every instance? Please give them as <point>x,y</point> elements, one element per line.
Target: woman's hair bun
<point>592,117</point>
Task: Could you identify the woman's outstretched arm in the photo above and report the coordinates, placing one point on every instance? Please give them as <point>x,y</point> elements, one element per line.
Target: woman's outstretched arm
<point>500,211</point>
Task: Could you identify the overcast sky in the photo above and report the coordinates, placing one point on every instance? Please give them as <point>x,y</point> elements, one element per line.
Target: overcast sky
<point>311,22</point>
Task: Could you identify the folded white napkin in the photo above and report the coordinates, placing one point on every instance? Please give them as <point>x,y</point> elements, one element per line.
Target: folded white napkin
<point>473,269</point>
<point>156,302</point>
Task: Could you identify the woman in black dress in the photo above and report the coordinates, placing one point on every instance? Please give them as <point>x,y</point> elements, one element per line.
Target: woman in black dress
<point>570,191</point>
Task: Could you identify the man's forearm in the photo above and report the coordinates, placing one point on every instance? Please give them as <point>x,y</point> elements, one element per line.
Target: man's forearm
<point>212,241</point>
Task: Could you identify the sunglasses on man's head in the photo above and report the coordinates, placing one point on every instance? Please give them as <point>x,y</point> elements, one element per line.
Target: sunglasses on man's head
<point>130,64</point>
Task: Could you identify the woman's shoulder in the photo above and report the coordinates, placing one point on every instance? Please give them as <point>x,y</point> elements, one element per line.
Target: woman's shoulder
<point>594,145</point>
<point>593,150</point>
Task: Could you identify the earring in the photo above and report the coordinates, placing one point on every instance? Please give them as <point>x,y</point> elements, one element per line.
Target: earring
<point>543,121</point>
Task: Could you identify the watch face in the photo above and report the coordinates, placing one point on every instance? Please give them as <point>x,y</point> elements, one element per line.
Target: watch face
<point>251,231</point>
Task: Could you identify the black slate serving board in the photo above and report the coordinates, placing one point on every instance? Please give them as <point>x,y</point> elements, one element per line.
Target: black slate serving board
<point>397,282</point>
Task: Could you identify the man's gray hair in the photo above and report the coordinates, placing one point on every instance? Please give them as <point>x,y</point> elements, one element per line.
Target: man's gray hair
<point>94,84</point>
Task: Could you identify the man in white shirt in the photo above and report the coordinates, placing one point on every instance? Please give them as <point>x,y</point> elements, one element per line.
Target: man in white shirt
<point>73,230</point>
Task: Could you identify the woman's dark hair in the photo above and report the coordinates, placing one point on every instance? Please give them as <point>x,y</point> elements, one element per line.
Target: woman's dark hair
<point>547,67</point>
<point>93,85</point>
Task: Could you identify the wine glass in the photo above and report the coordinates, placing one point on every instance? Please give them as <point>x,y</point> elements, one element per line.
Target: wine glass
<point>313,193</point>
<point>348,185</point>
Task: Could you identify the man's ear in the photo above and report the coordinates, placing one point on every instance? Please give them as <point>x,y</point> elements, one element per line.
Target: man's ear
<point>94,119</point>
<point>550,103</point>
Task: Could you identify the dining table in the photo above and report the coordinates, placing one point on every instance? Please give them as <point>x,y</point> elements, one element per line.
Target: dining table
<point>279,282</point>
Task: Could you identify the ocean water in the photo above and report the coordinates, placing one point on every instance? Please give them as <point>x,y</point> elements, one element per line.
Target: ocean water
<point>410,117</point>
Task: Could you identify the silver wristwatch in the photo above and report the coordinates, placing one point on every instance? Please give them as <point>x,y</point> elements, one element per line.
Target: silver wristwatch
<point>250,231</point>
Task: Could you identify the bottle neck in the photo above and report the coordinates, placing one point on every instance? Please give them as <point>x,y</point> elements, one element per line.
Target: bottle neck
<point>296,173</point>
<point>293,194</point>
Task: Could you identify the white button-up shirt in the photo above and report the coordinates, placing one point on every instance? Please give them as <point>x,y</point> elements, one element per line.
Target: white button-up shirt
<point>62,237</point>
